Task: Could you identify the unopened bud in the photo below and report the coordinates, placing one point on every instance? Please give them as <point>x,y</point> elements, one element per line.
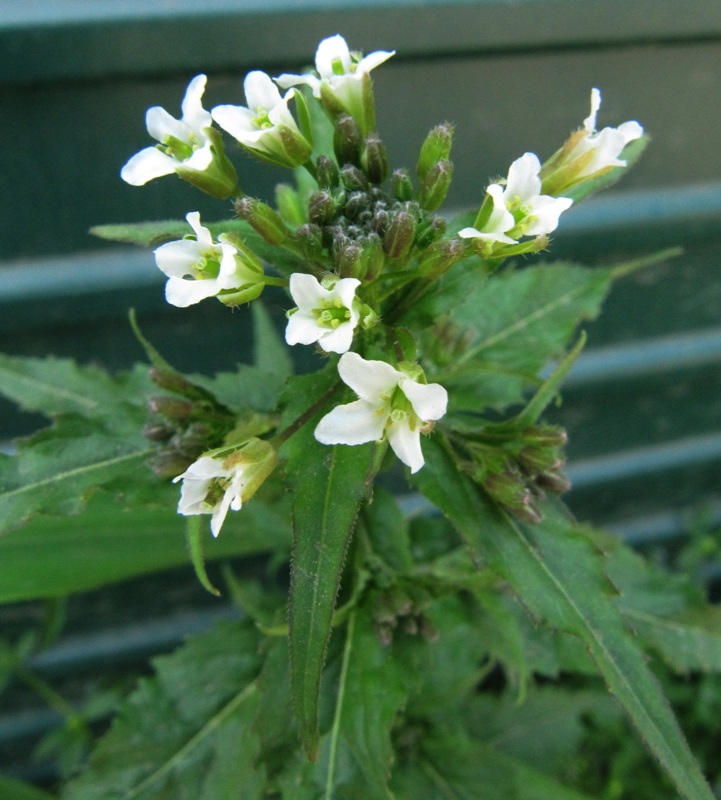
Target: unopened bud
<point>173,381</point>
<point>349,262</point>
<point>430,231</point>
<point>321,208</point>
<point>554,481</point>
<point>373,256</point>
<point>310,239</point>
<point>545,436</point>
<point>375,159</point>
<point>353,179</point>
<point>158,433</point>
<point>347,140</point>
<point>435,185</point>
<point>327,172</point>
<point>511,493</point>
<point>356,204</point>
<point>401,185</point>
<point>169,463</point>
<point>171,408</point>
<point>440,257</point>
<point>435,148</point>
<point>265,220</point>
<point>398,239</point>
<point>535,460</point>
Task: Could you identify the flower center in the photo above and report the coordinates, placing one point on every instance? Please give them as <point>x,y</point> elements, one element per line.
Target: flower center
<point>262,120</point>
<point>208,265</point>
<point>177,148</point>
<point>331,313</point>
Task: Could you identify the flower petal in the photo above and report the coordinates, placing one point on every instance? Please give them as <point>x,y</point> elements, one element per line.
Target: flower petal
<point>146,165</point>
<point>161,125</point>
<point>237,121</point>
<point>370,380</point>
<point>177,259</point>
<point>194,114</point>
<point>182,293</point>
<point>302,329</point>
<point>406,444</point>
<point>523,180</point>
<point>355,423</point>
<point>307,292</point>
<point>373,60</point>
<point>429,401</point>
<point>260,91</point>
<point>332,49</point>
<point>337,340</point>
<point>590,122</point>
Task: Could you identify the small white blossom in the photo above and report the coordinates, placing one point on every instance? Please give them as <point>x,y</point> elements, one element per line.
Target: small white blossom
<point>199,268</point>
<point>606,145</point>
<point>340,77</point>
<point>390,402</point>
<point>325,314</point>
<point>519,208</point>
<point>266,127</point>
<point>216,483</point>
<point>186,142</point>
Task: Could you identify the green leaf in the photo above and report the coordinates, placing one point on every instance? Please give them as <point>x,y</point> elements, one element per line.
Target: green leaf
<point>184,733</point>
<point>110,545</point>
<point>60,386</point>
<point>459,769</point>
<point>371,691</point>
<point>328,485</point>
<point>388,531</point>
<point>11,789</point>
<point>271,354</point>
<point>55,471</point>
<point>556,572</point>
<point>529,319</point>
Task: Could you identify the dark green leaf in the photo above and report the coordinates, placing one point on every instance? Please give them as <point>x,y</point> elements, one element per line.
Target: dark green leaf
<point>556,571</point>
<point>517,323</point>
<point>11,789</point>
<point>112,545</point>
<point>388,531</point>
<point>328,485</point>
<point>271,354</point>
<point>185,733</point>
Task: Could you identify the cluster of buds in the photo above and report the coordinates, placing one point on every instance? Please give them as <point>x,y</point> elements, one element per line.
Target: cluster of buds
<point>517,468</point>
<point>401,610</point>
<point>188,422</point>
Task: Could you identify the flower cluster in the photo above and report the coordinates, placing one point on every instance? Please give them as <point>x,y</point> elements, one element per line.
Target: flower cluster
<point>365,241</point>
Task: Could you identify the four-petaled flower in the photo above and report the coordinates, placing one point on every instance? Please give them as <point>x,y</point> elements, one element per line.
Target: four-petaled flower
<point>519,208</point>
<point>265,127</point>
<point>325,314</point>
<point>188,146</point>
<point>218,482</point>
<point>213,268</point>
<point>340,80</point>
<point>391,402</point>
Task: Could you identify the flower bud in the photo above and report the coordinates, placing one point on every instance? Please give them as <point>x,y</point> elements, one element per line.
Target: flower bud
<point>347,141</point>
<point>168,463</point>
<point>510,492</point>
<point>398,239</point>
<point>321,208</point>
<point>435,148</point>
<point>375,159</point>
<point>357,203</point>
<point>535,460</point>
<point>554,481</point>
<point>349,262</point>
<point>310,239</point>
<point>440,257</point>
<point>265,220</point>
<point>173,381</point>
<point>435,185</point>
<point>158,433</point>
<point>171,408</point>
<point>401,185</point>
<point>353,179</point>
<point>430,230</point>
<point>327,172</point>
<point>373,256</point>
<point>545,436</point>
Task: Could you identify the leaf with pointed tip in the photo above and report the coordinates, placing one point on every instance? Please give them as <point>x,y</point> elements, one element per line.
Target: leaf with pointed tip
<point>184,733</point>
<point>328,485</point>
<point>556,571</point>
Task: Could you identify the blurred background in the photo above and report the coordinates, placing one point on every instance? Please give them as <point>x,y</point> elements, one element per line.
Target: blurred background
<point>643,406</point>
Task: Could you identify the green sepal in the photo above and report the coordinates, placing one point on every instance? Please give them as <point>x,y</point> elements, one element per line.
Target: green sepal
<point>194,538</point>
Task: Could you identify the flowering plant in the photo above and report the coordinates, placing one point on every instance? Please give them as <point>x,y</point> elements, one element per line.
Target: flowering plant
<point>437,354</point>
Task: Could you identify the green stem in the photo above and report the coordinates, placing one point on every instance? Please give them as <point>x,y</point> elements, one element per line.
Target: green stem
<point>282,436</point>
<point>269,280</point>
<point>51,697</point>
<point>335,731</point>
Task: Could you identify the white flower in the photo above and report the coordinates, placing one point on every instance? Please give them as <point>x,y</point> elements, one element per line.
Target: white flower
<point>266,127</point>
<point>391,402</point>
<point>212,267</point>
<point>500,220</point>
<point>340,78</point>
<point>519,207</point>
<point>606,145</point>
<point>325,314</point>
<point>215,483</point>
<point>185,141</point>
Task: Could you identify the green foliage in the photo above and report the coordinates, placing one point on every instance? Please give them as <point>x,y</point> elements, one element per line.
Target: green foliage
<point>184,733</point>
